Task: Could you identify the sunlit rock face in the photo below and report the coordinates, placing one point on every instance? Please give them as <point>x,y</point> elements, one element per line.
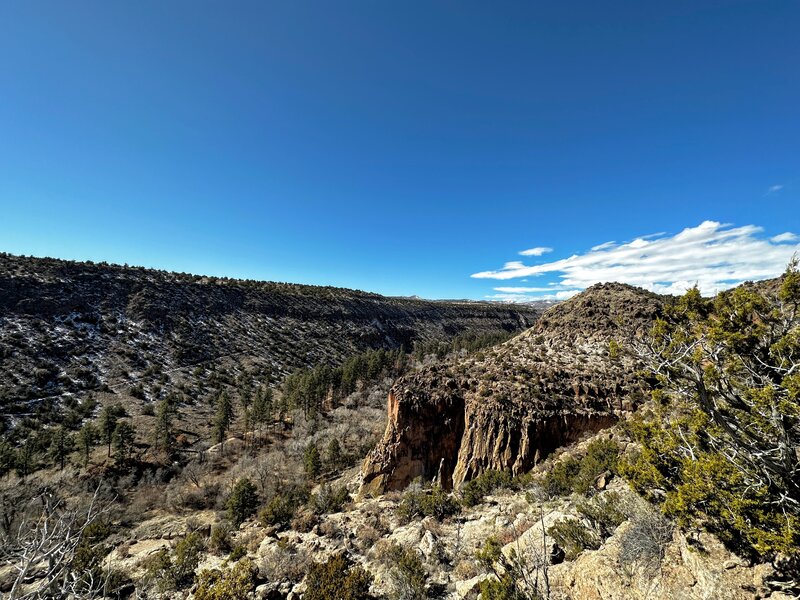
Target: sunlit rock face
<point>511,406</point>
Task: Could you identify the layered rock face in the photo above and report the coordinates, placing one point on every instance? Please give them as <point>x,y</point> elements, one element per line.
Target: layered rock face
<point>510,407</point>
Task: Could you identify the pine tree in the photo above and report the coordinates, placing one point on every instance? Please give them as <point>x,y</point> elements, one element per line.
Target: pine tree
<point>312,461</point>
<point>60,446</point>
<point>86,439</point>
<point>224,417</point>
<point>333,454</point>
<point>108,422</point>
<point>163,434</point>
<point>124,439</point>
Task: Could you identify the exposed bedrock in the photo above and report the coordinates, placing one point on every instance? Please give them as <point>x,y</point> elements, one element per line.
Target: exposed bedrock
<point>510,407</point>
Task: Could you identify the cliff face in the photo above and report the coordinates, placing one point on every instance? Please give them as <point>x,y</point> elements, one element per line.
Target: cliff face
<point>510,407</point>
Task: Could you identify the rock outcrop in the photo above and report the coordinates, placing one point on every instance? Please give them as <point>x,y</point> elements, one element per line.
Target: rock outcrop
<point>510,407</point>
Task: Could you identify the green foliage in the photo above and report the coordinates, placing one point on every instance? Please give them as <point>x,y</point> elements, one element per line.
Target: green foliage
<point>223,417</point>
<point>220,541</point>
<point>473,491</point>
<point>720,443</point>
<point>502,588</point>
<point>434,502</point>
<point>186,557</point>
<point>263,403</point>
<point>469,341</point>
<point>604,511</point>
<point>329,499</point>
<point>242,502</point>
<point>87,561</point>
<point>407,573</point>
<point>337,578</point>
<point>168,573</point>
<point>60,447</point>
<point>163,432</point>
<point>86,439</point>
<point>334,455</point>
<point>505,585</point>
<point>307,389</point>
<point>312,462</point>
<point>107,423</point>
<point>123,440</point>
<point>574,537</point>
<point>579,475</point>
<point>233,583</point>
<point>280,510</point>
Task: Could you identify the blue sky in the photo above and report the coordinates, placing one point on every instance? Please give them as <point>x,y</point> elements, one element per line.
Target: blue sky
<point>403,147</point>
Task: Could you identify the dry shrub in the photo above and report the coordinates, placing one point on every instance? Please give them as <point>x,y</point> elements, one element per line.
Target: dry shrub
<point>284,562</point>
<point>465,569</point>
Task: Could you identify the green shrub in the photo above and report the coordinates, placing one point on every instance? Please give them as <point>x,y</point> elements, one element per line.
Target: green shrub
<point>473,491</point>
<point>579,475</point>
<point>407,574</point>
<point>234,583</point>
<point>186,557</point>
<point>280,510</point>
<point>560,479</point>
<point>329,499</point>
<point>604,511</point>
<point>502,588</point>
<point>242,502</point>
<point>574,537</point>
<point>337,578</point>
<point>312,461</point>
<point>238,552</point>
<point>435,502</point>
<point>220,541</point>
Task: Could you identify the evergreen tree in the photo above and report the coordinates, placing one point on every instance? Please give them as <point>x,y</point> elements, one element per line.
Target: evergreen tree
<point>124,439</point>
<point>26,457</point>
<point>262,406</point>
<point>60,446</point>
<point>163,434</point>
<point>242,502</point>
<point>224,417</point>
<point>8,457</point>
<point>108,422</point>
<point>723,440</point>
<point>86,439</point>
<point>312,461</point>
<point>333,454</point>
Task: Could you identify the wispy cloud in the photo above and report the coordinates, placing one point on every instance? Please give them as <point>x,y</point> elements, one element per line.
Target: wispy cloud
<point>785,237</point>
<point>773,188</point>
<point>513,297</point>
<point>538,251</point>
<point>526,290</point>
<point>713,255</point>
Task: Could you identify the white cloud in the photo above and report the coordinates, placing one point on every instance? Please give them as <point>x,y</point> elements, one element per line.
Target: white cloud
<point>716,256</point>
<point>773,188</point>
<point>524,290</point>
<point>785,237</point>
<point>604,246</point>
<point>538,251</point>
<point>521,297</point>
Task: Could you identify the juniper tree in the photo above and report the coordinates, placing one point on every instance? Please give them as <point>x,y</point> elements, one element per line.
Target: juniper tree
<point>724,437</point>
